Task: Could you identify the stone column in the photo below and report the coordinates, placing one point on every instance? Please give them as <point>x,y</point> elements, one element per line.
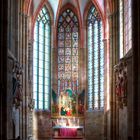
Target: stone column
<point>30,101</point>
<point>113,23</point>
<point>23,58</point>
<point>83,59</point>
<point>30,63</point>
<point>26,82</point>
<point>111,76</point>
<point>20,54</point>
<point>105,87</point>
<point>84,62</point>
<point>54,59</point>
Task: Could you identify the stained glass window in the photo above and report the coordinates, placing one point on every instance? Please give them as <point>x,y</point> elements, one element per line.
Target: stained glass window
<point>121,28</point>
<point>41,60</point>
<point>95,60</point>
<point>125,26</point>
<point>68,37</point>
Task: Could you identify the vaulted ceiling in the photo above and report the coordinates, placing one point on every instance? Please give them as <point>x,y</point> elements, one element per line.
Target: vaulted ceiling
<point>58,4</point>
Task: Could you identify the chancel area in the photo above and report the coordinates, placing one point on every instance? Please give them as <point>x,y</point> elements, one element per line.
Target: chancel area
<point>69,70</point>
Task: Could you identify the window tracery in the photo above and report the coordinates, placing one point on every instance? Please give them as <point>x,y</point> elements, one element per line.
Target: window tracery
<point>95,60</point>
<point>41,60</point>
<point>68,37</point>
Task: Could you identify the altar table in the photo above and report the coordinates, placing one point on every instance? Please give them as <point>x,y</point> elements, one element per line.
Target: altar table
<point>68,131</point>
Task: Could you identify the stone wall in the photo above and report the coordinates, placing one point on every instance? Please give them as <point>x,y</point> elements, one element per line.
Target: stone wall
<point>94,125</point>
<point>10,121</point>
<point>123,124</point>
<point>17,52</point>
<point>124,114</point>
<point>41,125</point>
<point>130,98</point>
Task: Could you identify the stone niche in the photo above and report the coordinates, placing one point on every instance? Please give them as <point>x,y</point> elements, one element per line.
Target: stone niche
<point>41,125</point>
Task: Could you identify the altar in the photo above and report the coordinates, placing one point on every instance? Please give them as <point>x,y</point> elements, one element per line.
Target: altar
<point>68,103</point>
<point>68,131</point>
<point>67,112</point>
<point>68,128</point>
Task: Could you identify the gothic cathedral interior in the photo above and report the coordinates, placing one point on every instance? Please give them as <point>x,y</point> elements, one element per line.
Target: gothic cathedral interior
<point>69,69</point>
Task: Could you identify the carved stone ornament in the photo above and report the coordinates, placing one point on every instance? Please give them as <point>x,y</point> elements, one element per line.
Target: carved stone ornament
<point>17,87</point>
<point>121,83</point>
<point>31,104</point>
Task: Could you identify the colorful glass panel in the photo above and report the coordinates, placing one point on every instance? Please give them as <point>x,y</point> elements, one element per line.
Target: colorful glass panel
<point>67,51</point>
<point>41,60</point>
<point>95,60</point>
<point>125,17</point>
<point>127,25</point>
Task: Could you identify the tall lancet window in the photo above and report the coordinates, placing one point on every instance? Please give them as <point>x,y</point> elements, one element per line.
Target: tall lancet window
<point>68,38</point>
<point>41,60</point>
<point>121,28</point>
<point>95,60</point>
<point>125,26</point>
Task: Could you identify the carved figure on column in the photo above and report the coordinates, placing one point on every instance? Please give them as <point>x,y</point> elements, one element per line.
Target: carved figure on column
<point>17,96</point>
<point>17,87</point>
<point>121,82</point>
<point>31,104</point>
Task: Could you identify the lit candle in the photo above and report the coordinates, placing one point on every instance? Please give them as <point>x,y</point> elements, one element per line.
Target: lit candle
<point>66,83</point>
<point>78,122</point>
<point>63,85</point>
<point>77,86</point>
<point>77,83</point>
<point>74,121</point>
<point>58,87</point>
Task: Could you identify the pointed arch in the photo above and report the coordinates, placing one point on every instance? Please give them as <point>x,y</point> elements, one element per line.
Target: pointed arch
<point>95,57</point>
<point>100,11</point>
<point>34,17</point>
<point>42,59</point>
<point>69,5</point>
<point>27,6</point>
<point>68,53</point>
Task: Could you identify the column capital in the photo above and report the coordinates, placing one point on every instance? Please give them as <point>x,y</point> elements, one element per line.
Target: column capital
<point>30,42</point>
<point>111,15</point>
<point>23,14</point>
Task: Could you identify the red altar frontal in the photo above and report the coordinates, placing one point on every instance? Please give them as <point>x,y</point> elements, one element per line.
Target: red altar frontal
<point>68,131</point>
<point>68,128</point>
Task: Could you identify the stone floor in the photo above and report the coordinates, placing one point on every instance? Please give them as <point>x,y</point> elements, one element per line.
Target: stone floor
<point>60,138</point>
<point>63,139</point>
<point>66,139</point>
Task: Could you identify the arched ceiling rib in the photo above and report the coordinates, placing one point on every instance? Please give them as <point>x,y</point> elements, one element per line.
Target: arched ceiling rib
<point>36,4</point>
<point>82,4</point>
<point>55,4</point>
<point>73,2</point>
